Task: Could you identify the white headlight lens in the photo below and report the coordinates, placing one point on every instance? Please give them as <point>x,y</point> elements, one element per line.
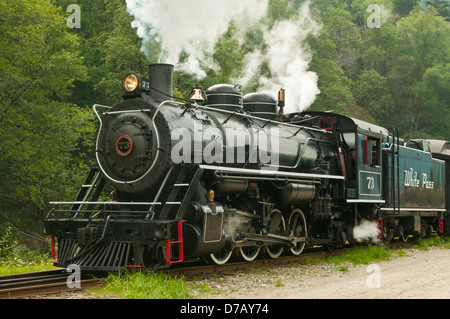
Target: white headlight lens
<point>131,83</point>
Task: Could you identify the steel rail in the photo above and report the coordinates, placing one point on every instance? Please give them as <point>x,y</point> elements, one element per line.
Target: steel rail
<point>44,282</point>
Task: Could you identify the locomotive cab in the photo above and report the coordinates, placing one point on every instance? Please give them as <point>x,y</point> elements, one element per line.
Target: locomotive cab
<point>359,149</point>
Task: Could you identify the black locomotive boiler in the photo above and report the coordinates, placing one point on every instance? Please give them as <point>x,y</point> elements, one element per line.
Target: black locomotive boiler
<point>226,175</point>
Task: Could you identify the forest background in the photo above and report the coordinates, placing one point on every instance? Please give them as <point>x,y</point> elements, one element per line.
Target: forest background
<point>52,73</point>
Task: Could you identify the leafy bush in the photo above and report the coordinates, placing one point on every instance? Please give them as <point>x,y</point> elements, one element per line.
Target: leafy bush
<point>17,259</point>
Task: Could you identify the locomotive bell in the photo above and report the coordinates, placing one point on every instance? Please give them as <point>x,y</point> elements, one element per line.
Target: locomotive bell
<point>197,95</point>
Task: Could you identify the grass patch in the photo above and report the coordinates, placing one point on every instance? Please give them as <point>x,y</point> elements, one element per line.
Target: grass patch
<point>364,255</point>
<point>146,285</point>
<point>358,256</point>
<point>25,267</point>
<point>433,241</point>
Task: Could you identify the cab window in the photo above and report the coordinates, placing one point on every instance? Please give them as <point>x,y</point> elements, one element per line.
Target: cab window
<point>373,151</point>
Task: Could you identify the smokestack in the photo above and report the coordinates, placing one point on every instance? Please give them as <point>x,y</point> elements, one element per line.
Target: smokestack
<point>161,79</point>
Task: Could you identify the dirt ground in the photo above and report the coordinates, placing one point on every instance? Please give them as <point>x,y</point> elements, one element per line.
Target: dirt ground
<point>420,275</point>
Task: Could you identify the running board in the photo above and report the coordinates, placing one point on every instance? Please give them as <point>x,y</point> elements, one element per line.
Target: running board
<point>266,173</point>
<point>275,238</point>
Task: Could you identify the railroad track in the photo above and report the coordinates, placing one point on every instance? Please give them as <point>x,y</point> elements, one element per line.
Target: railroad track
<point>54,281</point>
<point>196,269</point>
<point>43,282</point>
<point>319,252</point>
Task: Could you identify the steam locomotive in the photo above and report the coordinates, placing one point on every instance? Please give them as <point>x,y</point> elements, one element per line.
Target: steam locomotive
<point>221,175</point>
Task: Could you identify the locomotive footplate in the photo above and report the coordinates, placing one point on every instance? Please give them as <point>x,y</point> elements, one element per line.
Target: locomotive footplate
<point>112,243</point>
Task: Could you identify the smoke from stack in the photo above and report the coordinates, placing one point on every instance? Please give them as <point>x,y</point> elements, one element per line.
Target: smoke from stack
<point>193,27</point>
<point>288,59</point>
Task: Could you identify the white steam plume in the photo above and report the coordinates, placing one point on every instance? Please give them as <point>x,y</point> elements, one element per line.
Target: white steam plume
<point>366,231</point>
<point>192,26</point>
<point>288,60</point>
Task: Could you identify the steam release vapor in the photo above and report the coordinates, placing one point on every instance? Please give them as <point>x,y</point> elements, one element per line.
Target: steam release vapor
<point>366,231</point>
<point>193,27</point>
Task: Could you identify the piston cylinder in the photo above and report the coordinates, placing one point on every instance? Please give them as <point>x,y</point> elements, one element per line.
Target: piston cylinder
<point>294,193</point>
<point>232,186</point>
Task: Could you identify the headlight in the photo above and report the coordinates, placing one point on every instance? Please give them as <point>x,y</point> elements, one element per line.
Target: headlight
<point>131,82</point>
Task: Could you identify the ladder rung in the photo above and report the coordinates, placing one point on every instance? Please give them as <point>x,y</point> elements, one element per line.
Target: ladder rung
<point>181,185</point>
<point>179,242</point>
<point>173,203</point>
<point>87,186</point>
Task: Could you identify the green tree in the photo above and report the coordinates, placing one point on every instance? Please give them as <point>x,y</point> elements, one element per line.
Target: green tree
<point>228,54</point>
<point>110,47</point>
<point>442,6</point>
<point>334,52</point>
<point>422,43</point>
<point>435,91</point>
<point>279,10</point>
<point>122,53</point>
<point>370,90</point>
<point>377,48</point>
<point>403,7</point>
<point>41,134</point>
<point>333,84</point>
